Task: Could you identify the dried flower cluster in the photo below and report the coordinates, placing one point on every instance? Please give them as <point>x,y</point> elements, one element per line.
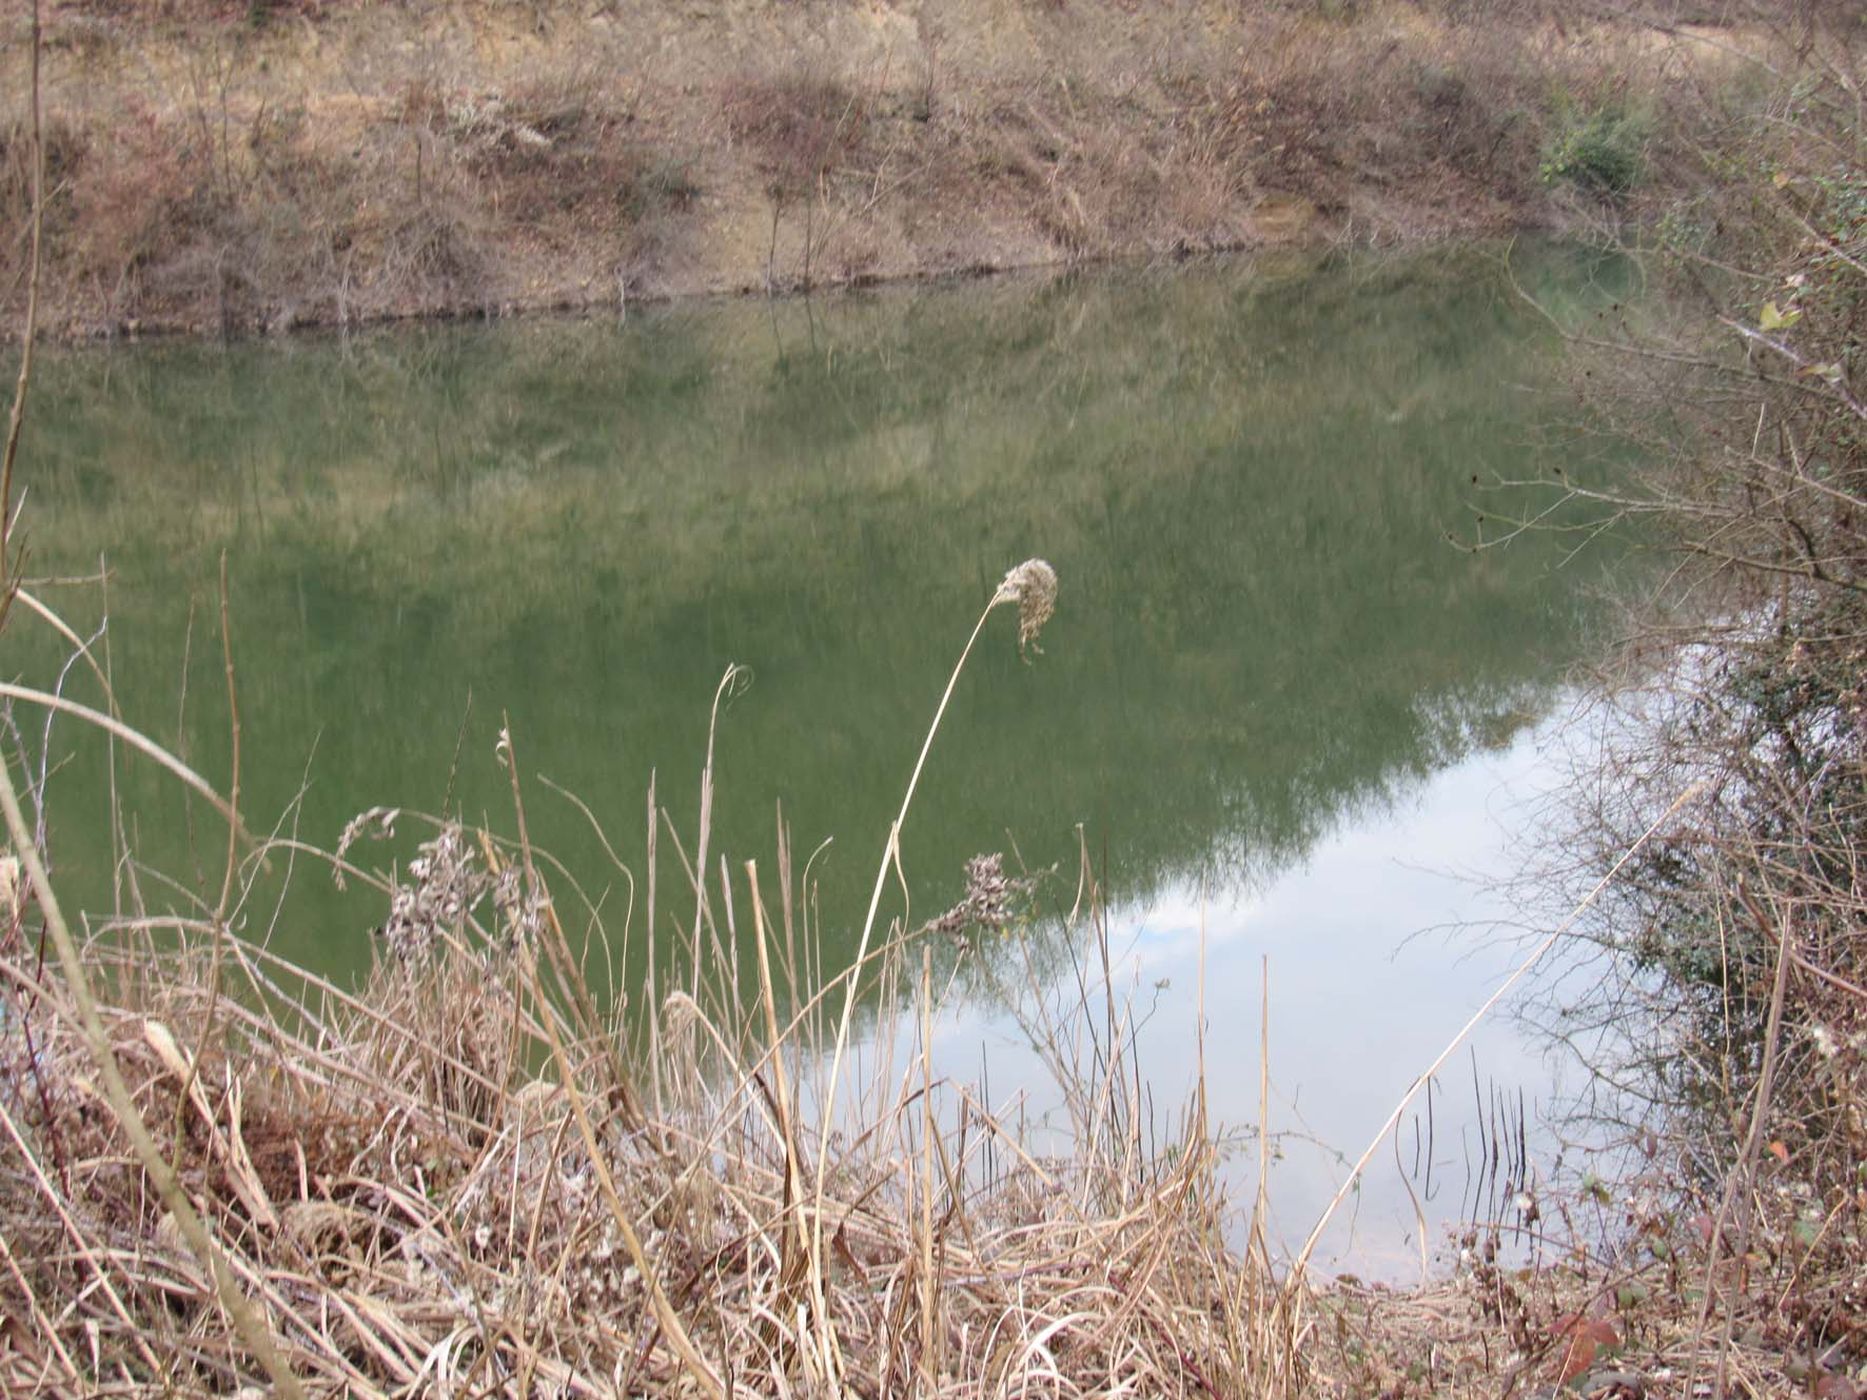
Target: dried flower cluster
<point>989,897</point>
<point>446,885</point>
<point>1033,587</point>
<point>449,878</point>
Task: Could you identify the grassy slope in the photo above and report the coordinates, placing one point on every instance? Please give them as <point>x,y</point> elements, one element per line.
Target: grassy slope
<point>225,167</point>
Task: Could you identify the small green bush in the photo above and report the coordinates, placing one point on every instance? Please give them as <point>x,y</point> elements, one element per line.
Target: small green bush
<point>1601,150</point>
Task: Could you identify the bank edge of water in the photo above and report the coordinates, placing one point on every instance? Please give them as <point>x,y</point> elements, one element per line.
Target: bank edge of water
<point>370,164</point>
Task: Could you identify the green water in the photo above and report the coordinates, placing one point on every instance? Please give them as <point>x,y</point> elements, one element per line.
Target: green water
<point>1244,474</point>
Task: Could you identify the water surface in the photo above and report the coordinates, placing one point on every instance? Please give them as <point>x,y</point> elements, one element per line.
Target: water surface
<point>1267,647</point>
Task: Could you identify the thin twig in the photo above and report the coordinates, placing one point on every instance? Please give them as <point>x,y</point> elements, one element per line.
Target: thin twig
<point>9,580</point>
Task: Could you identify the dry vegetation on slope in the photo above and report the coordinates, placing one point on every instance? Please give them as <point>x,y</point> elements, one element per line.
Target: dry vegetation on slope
<point>217,166</point>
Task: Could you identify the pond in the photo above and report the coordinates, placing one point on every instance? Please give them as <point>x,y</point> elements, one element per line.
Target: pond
<point>1280,709</point>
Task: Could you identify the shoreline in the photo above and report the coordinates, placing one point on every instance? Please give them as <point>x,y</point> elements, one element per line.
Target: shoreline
<point>349,165</point>
<point>905,280</point>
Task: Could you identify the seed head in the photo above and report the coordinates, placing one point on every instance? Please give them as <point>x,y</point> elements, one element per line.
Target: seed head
<point>1033,587</point>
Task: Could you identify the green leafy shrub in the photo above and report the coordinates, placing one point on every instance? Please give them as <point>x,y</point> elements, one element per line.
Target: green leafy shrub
<point>1601,150</point>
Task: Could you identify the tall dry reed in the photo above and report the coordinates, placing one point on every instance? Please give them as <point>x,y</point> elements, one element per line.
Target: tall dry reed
<point>223,1172</point>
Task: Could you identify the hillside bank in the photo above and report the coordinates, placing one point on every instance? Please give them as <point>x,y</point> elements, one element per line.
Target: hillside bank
<point>222,167</point>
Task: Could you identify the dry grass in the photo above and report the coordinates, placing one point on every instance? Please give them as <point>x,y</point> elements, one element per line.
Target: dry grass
<point>801,126</point>
<point>331,163</point>
<point>469,1176</point>
<point>413,1204</point>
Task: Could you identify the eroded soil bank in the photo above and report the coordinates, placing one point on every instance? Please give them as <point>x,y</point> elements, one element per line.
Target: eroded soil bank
<point>216,167</point>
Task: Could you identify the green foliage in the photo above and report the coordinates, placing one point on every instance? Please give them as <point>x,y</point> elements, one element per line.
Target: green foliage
<point>1599,149</point>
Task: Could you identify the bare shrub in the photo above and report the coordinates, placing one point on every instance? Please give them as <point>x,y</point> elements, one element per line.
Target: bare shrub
<point>556,156</point>
<point>139,193</point>
<point>65,148</point>
<point>1732,1016</point>
<point>802,126</point>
